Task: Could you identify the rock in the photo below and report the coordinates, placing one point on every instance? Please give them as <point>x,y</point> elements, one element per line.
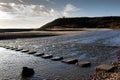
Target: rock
<point>7,47</point>
<point>18,49</point>
<point>31,52</point>
<point>70,60</point>
<point>13,48</point>
<point>105,67</point>
<point>39,54</point>
<point>58,79</point>
<point>115,64</point>
<point>47,56</point>
<point>27,72</point>
<point>25,50</point>
<point>57,58</point>
<point>83,63</point>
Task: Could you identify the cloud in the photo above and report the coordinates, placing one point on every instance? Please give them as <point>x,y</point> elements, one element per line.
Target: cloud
<point>31,15</point>
<point>24,11</point>
<point>50,1</point>
<point>14,15</point>
<point>70,8</point>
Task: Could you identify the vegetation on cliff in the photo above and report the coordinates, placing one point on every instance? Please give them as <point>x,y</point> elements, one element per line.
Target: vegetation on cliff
<point>84,22</point>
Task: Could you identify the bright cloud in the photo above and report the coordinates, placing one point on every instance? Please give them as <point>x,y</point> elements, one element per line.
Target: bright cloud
<point>50,1</point>
<point>29,15</point>
<point>14,15</point>
<point>23,11</point>
<point>70,7</point>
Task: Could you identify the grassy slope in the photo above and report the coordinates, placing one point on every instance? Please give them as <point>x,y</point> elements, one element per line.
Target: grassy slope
<point>84,22</point>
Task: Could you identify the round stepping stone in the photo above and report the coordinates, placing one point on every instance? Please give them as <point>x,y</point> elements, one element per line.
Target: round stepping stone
<point>18,49</point>
<point>13,48</point>
<point>105,67</point>
<point>39,54</point>
<point>83,63</point>
<point>70,60</point>
<point>25,51</point>
<point>56,58</point>
<point>7,47</point>
<point>31,52</point>
<point>47,56</point>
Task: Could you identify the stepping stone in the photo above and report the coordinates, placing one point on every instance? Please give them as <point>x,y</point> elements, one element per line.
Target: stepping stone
<point>57,58</point>
<point>83,63</point>
<point>105,67</point>
<point>70,60</point>
<point>13,48</point>
<point>32,52</point>
<point>39,54</point>
<point>18,49</point>
<point>25,50</point>
<point>47,56</point>
<point>7,47</point>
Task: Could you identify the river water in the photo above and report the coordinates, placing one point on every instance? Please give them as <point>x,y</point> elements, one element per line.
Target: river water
<point>99,46</point>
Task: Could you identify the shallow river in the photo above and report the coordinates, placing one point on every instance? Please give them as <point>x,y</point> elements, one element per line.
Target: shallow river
<point>94,46</point>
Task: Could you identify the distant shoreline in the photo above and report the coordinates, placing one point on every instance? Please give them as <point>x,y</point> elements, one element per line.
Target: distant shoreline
<point>46,33</point>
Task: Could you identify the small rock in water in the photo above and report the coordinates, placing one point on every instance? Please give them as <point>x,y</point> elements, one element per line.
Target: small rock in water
<point>25,50</point>
<point>105,67</point>
<point>19,49</point>
<point>7,47</point>
<point>70,60</point>
<point>32,52</point>
<point>47,56</point>
<point>39,54</point>
<point>13,48</point>
<point>27,72</point>
<point>57,58</point>
<point>83,63</point>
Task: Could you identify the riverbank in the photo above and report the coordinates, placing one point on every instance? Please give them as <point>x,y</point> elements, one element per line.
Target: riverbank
<point>114,75</point>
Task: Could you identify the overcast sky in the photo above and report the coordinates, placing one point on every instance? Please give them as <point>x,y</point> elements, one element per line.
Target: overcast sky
<point>39,12</point>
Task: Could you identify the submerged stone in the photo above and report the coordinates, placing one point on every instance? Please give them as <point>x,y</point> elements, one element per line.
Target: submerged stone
<point>83,63</point>
<point>105,67</point>
<point>70,60</point>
